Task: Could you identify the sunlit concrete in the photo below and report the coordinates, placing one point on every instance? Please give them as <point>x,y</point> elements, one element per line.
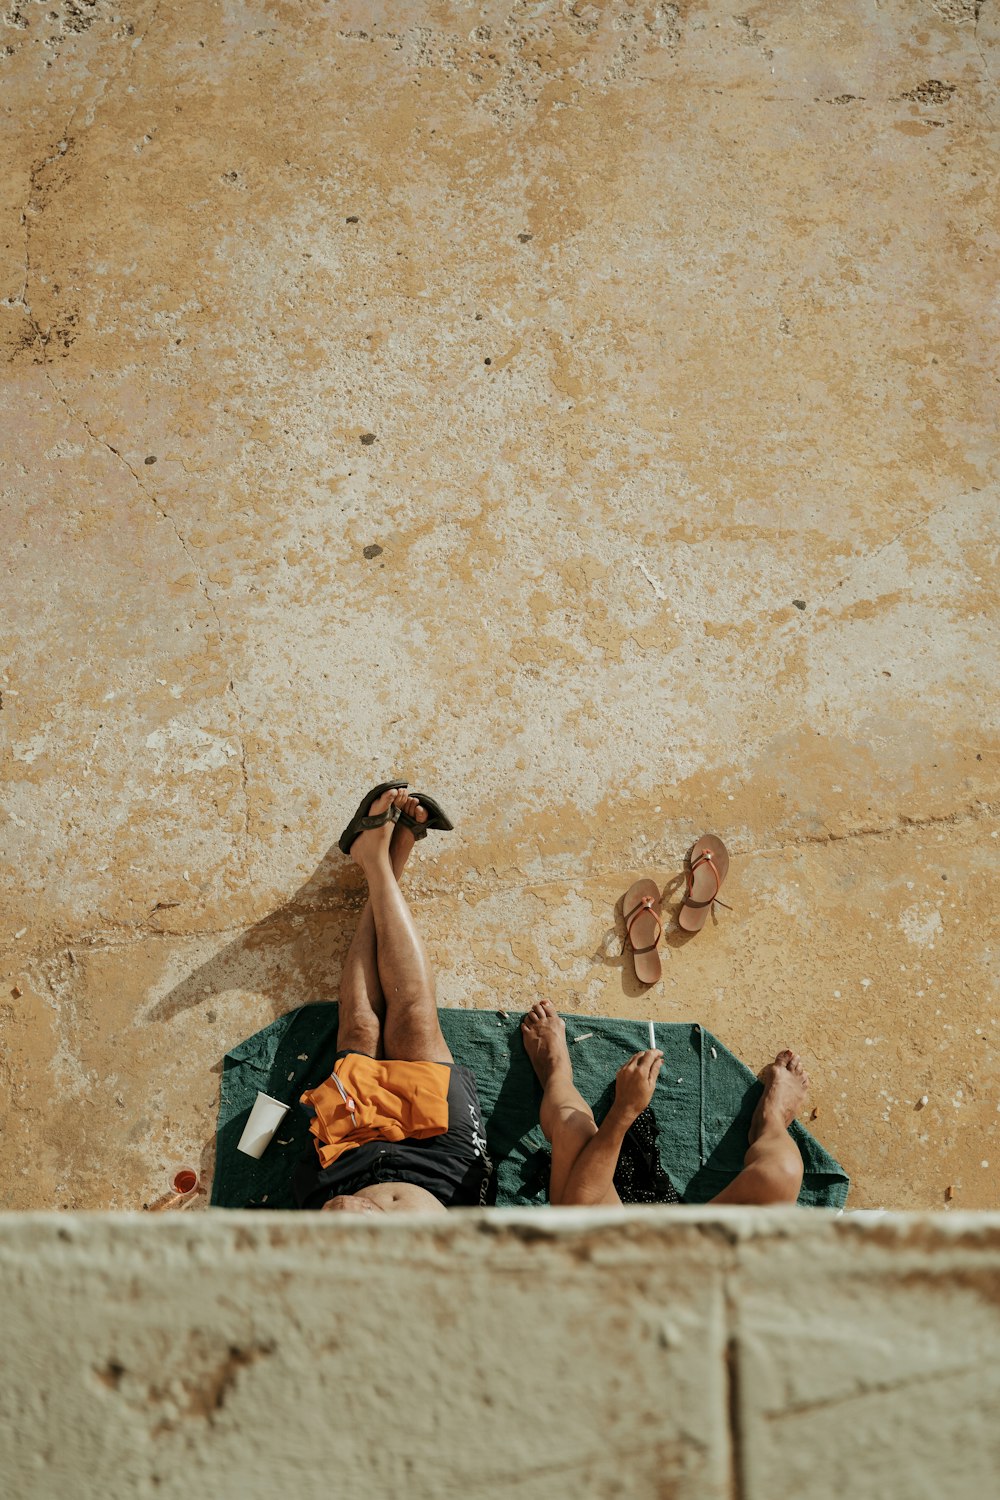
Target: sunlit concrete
<point>588,411</point>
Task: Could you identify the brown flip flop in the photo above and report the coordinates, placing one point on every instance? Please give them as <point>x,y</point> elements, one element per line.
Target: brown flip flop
<point>706,868</point>
<point>641,910</point>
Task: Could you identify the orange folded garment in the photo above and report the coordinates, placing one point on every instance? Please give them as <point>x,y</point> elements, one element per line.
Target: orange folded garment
<point>393,1101</point>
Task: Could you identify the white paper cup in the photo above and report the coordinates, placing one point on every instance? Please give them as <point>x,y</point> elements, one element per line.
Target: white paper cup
<point>265,1117</point>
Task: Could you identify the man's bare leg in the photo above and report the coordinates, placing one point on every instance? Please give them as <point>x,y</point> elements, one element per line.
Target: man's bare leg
<point>772,1167</point>
<point>566,1118</point>
<point>362,1003</point>
<point>411,1030</point>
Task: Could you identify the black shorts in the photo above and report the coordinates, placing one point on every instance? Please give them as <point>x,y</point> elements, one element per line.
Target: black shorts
<point>455,1166</point>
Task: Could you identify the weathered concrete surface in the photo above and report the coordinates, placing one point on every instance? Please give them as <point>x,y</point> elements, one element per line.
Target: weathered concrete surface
<point>775,1356</point>
<point>661,319</point>
<point>861,1358</point>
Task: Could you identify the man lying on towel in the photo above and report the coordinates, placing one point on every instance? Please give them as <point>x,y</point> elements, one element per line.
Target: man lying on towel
<point>398,1125</point>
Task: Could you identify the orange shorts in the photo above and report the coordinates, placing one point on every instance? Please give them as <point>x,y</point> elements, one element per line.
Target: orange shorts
<point>392,1101</point>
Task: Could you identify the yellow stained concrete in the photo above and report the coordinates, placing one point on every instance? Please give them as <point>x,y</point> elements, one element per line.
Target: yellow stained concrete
<point>655,349</point>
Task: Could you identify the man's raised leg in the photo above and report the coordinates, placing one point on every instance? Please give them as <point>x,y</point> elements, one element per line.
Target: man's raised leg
<point>362,1003</point>
<point>411,1029</point>
<point>772,1167</point>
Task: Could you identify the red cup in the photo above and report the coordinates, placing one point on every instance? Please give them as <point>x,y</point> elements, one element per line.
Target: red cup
<point>186,1180</point>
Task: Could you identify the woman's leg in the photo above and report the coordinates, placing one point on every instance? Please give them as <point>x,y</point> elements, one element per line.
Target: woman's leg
<point>566,1118</point>
<point>772,1167</point>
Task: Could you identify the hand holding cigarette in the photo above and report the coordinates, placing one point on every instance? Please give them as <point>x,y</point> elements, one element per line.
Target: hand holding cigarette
<point>636,1081</point>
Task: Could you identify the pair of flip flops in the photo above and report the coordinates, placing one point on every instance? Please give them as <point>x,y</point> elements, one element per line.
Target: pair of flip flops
<point>363,819</point>
<point>705,869</point>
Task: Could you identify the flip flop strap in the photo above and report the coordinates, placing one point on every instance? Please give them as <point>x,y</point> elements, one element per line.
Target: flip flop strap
<point>645,904</point>
<point>419,830</point>
<point>689,874</point>
<point>378,820</point>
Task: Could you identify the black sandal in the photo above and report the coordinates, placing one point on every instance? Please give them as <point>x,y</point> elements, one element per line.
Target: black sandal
<point>362,820</point>
<point>438,817</point>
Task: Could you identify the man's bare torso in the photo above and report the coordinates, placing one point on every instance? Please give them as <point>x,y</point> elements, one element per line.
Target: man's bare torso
<point>388,1198</point>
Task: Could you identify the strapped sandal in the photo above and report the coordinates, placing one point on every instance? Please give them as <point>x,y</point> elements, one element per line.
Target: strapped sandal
<point>707,866</point>
<point>641,910</point>
<point>362,820</point>
<point>437,818</point>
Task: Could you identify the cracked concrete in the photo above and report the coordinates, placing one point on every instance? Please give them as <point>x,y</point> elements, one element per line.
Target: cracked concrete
<point>586,411</point>
<point>672,1352</point>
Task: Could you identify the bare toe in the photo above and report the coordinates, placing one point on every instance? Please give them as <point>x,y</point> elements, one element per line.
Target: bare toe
<point>785,1085</point>
<point>544,1035</point>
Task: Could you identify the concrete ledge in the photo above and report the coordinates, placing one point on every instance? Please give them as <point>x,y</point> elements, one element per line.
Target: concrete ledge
<point>685,1353</point>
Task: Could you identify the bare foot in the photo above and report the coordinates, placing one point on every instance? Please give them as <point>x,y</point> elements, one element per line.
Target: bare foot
<point>403,839</point>
<point>373,843</point>
<point>786,1084</point>
<point>544,1034</point>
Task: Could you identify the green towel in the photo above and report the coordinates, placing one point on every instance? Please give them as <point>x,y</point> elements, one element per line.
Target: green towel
<point>703,1103</point>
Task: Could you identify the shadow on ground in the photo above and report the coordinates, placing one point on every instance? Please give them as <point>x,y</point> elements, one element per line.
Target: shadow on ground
<point>297,945</point>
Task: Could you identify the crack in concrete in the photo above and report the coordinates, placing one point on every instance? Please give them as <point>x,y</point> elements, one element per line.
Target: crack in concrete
<point>122,76</point>
<point>904,825</point>
<point>867,557</point>
<point>62,147</point>
<point>134,932</point>
<point>982,55</point>
<point>733,1383</point>
<point>866,1390</point>
<point>21,300</point>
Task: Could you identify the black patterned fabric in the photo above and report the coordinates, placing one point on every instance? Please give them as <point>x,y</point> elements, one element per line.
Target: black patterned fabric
<point>639,1175</point>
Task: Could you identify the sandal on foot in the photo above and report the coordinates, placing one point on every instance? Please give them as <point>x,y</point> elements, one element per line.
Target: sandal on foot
<point>437,817</point>
<point>362,820</point>
<point>641,910</point>
<point>706,868</point>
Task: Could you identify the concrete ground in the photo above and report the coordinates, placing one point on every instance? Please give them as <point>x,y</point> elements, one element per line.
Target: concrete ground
<point>587,411</point>
<point>656,1354</point>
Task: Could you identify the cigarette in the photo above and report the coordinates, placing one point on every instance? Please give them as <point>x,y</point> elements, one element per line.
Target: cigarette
<point>583,1038</point>
<point>169,1203</point>
<point>652,1037</point>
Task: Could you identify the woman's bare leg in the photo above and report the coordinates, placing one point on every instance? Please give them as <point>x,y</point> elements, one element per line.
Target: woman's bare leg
<point>362,1003</point>
<point>411,1029</point>
<point>772,1167</point>
<point>566,1118</point>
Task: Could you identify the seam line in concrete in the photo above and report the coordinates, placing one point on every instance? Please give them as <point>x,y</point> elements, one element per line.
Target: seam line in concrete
<point>733,1415</point>
<point>127,933</point>
<point>982,55</point>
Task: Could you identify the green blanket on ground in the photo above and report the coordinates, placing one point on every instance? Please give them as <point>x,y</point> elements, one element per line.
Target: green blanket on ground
<point>703,1103</point>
